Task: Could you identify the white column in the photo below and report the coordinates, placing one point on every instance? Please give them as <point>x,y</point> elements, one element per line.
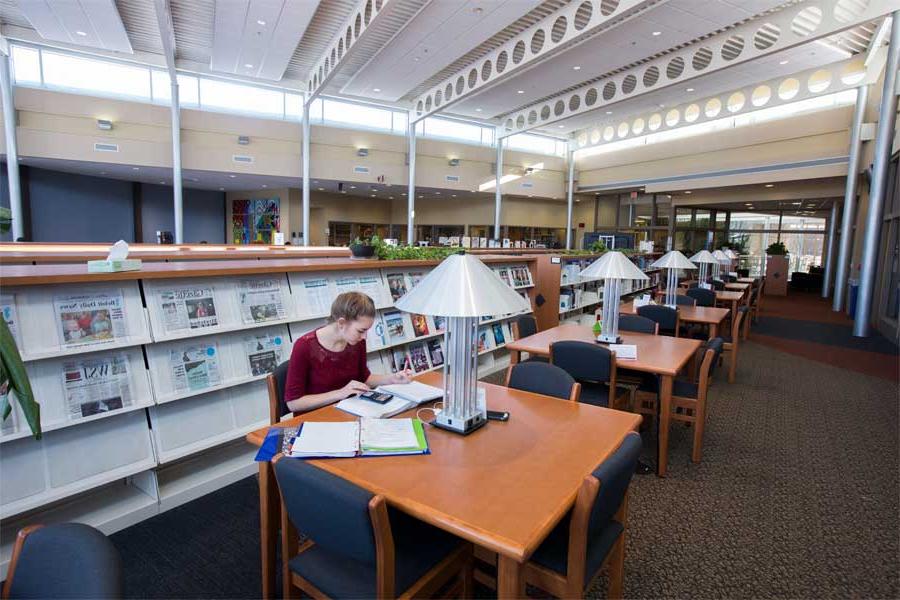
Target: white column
<point>498,196</point>
<point>12,149</point>
<point>176,164</point>
<point>570,199</point>
<point>305,170</point>
<point>829,251</point>
<point>887,118</point>
<point>411,186</point>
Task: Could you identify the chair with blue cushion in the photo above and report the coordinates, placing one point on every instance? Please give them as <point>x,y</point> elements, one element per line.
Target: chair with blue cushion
<point>543,378</point>
<point>684,300</point>
<point>718,284</point>
<point>666,317</point>
<point>592,535</point>
<point>689,398</point>
<point>275,382</point>
<point>703,296</point>
<point>594,367</point>
<point>66,560</point>
<point>357,547</point>
<point>525,326</point>
<point>638,324</point>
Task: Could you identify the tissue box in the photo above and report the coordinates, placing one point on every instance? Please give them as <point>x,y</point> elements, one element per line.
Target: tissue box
<point>113,266</point>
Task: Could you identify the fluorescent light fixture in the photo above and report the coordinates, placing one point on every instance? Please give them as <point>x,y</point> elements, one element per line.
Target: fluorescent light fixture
<point>783,62</point>
<point>689,90</point>
<point>81,33</point>
<point>265,185</point>
<point>520,91</point>
<point>609,112</point>
<point>376,90</point>
<point>104,124</point>
<point>135,168</point>
<point>561,126</point>
<point>657,33</point>
<point>770,185</point>
<point>576,68</point>
<point>261,22</point>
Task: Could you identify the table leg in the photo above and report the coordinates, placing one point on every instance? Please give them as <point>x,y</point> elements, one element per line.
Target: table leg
<point>509,578</point>
<point>713,330</point>
<point>665,411</point>
<point>268,526</point>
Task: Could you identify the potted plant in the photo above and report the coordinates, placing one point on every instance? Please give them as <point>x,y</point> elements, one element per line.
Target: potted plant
<point>776,249</point>
<point>363,247</point>
<point>13,378</point>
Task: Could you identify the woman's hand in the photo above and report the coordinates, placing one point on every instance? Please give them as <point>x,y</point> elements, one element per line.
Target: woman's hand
<point>404,376</point>
<point>354,387</point>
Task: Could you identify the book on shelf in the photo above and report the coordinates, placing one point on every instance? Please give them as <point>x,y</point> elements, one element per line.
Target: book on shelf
<point>420,325</point>
<point>418,357</point>
<point>398,359</point>
<point>366,437</point>
<point>499,335</point>
<point>436,352</point>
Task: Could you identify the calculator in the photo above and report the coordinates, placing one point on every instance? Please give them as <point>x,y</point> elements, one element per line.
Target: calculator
<point>373,396</point>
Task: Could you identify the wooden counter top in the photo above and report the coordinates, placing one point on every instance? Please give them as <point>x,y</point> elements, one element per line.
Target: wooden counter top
<point>37,253</point>
<point>76,273</point>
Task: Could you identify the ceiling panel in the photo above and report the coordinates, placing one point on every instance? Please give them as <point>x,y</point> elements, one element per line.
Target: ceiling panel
<point>139,17</point>
<point>437,35</point>
<point>329,18</point>
<point>91,23</point>
<point>193,21</point>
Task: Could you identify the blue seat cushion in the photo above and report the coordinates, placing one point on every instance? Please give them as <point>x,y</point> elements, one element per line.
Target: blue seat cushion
<point>595,394</point>
<point>536,358</point>
<point>685,389</point>
<point>417,546</point>
<point>554,552</point>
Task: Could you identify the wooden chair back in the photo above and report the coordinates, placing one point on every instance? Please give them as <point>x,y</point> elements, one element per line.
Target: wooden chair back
<point>275,382</point>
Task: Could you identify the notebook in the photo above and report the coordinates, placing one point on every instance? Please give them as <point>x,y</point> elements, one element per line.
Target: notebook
<point>365,437</point>
<point>406,396</point>
<point>624,351</point>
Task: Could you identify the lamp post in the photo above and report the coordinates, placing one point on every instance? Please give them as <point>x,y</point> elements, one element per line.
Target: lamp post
<point>462,289</point>
<point>672,261</point>
<point>704,258</point>
<point>612,267</point>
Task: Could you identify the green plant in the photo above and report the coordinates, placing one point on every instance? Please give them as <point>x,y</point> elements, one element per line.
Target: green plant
<point>598,247</point>
<point>385,251</point>
<point>5,219</point>
<point>13,378</point>
<point>776,249</point>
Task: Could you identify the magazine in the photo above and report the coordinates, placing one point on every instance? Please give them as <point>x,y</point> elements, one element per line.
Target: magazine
<point>90,319</point>
<point>399,359</point>
<point>504,275</point>
<point>377,335</point>
<point>484,341</point>
<point>414,278</point>
<point>96,385</point>
<point>188,308</point>
<point>264,353</point>
<point>499,338</point>
<point>397,285</point>
<point>8,308</point>
<point>439,323</point>
<point>436,352</point>
<point>394,323</point>
<point>260,300</point>
<point>420,325</point>
<point>318,296</point>
<point>195,367</point>
<point>418,357</point>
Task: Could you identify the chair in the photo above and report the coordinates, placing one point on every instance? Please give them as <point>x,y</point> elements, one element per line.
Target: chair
<point>275,382</point>
<point>693,284</point>
<point>666,317</point>
<point>703,297</point>
<point>357,547</point>
<point>67,560</point>
<point>591,365</point>
<point>524,326</point>
<point>731,278</point>
<point>685,300</point>
<point>718,284</point>
<point>730,342</point>
<point>689,398</point>
<point>638,324</point>
<point>592,535</point>
<point>743,272</point>
<point>543,378</point>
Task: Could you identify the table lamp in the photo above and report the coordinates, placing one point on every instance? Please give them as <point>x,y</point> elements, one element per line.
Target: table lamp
<point>462,289</point>
<point>612,267</point>
<point>673,261</point>
<point>721,259</point>
<point>704,258</point>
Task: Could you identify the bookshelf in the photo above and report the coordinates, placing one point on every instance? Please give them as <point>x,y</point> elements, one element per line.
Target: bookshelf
<point>149,380</point>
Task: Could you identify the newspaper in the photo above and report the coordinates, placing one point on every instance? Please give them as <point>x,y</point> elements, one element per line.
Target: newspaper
<point>96,385</point>
<point>90,319</point>
<point>264,353</point>
<point>195,367</point>
<point>371,286</point>
<point>8,309</point>
<point>188,308</point>
<point>261,300</point>
<point>318,296</point>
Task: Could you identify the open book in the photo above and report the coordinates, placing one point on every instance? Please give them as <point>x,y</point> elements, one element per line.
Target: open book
<point>406,396</point>
<point>366,437</point>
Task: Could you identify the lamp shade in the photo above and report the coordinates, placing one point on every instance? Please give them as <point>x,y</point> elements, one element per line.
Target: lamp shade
<point>462,286</point>
<point>730,253</point>
<point>704,256</point>
<point>721,256</point>
<point>614,265</point>
<point>673,259</point>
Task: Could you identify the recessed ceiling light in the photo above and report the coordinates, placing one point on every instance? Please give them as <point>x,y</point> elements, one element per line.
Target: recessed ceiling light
<point>232,176</point>
<point>376,90</point>
<point>162,183</point>
<point>576,68</point>
<point>783,62</point>
<point>520,91</point>
<point>135,168</point>
<point>221,189</point>
<point>748,204</point>
<point>265,185</point>
<point>103,172</point>
<point>453,195</point>
<point>81,33</point>
<point>248,66</point>
<point>689,90</point>
<point>770,185</point>
<point>261,22</point>
<point>688,192</point>
<point>609,112</point>
<point>352,187</point>
<point>373,195</point>
<point>390,197</point>
<point>415,59</point>
<point>657,33</point>
<point>437,193</point>
<point>321,189</point>
<point>477,110</point>
<point>561,126</point>
<point>796,203</point>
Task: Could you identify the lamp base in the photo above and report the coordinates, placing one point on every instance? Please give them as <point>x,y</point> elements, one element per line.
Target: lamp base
<point>609,339</point>
<point>460,425</point>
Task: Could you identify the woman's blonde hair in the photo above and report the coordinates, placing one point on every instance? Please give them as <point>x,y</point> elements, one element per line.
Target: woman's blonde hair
<point>351,306</point>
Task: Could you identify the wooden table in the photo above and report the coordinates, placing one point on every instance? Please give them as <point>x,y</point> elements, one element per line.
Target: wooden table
<point>705,315</point>
<point>738,287</point>
<point>659,354</point>
<point>724,296</point>
<point>750,280</point>
<point>503,487</point>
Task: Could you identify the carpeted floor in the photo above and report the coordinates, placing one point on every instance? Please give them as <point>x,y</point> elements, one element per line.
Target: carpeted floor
<point>796,497</point>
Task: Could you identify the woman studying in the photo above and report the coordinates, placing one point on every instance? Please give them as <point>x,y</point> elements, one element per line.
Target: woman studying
<point>329,363</point>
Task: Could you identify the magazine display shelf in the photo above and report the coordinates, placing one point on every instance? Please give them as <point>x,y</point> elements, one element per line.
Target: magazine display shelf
<point>181,434</point>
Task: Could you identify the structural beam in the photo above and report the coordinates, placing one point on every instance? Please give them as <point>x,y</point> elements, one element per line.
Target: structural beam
<point>887,118</point>
<point>791,26</point>
<point>411,185</point>
<point>12,148</point>
<point>167,35</point>
<point>570,195</point>
<point>498,195</point>
<point>306,131</point>
<point>559,31</point>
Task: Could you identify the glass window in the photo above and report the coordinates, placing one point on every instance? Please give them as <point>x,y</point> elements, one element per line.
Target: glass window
<point>77,73</point>
<point>721,215</point>
<point>529,142</point>
<point>316,111</point>
<point>26,65</point>
<point>399,122</point>
<point>802,222</point>
<point>356,114</point>
<point>683,218</point>
<point>754,221</point>
<point>804,250</point>
<point>293,107</point>
<point>701,221</point>
<point>221,95</point>
<point>187,89</point>
<point>448,128</point>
